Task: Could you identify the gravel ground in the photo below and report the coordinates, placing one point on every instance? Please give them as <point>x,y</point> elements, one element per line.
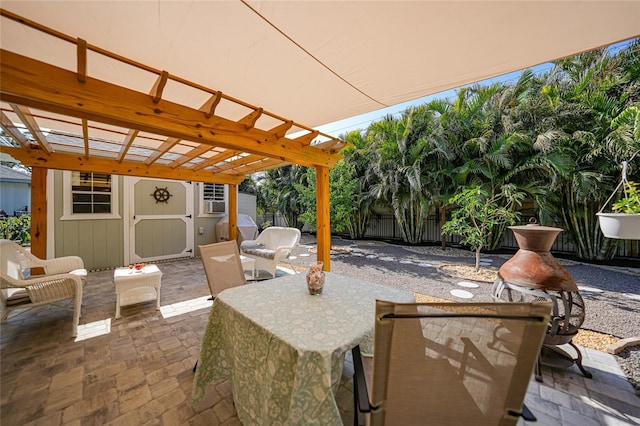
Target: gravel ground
<point>629,360</point>
<point>608,292</point>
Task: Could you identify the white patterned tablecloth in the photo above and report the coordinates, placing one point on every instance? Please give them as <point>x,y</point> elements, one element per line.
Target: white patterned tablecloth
<point>283,349</point>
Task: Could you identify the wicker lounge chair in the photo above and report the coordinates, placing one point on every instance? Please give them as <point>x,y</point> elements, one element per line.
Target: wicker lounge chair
<point>273,245</point>
<point>63,279</point>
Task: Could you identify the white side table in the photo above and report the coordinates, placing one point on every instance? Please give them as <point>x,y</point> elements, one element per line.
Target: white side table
<point>137,286</point>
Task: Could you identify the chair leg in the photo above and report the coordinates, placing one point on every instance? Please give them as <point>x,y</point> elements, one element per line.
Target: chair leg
<point>578,361</point>
<point>355,402</point>
<point>527,414</point>
<point>76,315</point>
<point>538,368</point>
<point>361,402</point>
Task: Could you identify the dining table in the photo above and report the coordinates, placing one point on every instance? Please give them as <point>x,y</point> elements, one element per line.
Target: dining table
<point>284,349</point>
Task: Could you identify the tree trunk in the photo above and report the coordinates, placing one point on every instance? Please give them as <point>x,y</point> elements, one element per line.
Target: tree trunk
<point>478,258</point>
<point>443,220</point>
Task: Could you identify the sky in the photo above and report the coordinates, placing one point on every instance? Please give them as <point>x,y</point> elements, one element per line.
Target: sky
<point>361,122</point>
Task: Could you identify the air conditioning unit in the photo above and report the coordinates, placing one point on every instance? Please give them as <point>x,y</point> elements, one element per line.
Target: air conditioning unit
<point>215,206</point>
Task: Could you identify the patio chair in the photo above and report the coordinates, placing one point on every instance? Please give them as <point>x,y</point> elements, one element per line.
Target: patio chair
<point>23,262</point>
<point>222,266</point>
<point>273,245</point>
<point>449,363</point>
<point>64,279</point>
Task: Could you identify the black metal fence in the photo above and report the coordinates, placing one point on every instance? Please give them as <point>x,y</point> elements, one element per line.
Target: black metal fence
<point>385,227</point>
<point>270,219</point>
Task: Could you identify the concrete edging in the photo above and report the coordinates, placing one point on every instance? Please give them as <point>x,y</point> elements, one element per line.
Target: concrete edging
<point>623,344</point>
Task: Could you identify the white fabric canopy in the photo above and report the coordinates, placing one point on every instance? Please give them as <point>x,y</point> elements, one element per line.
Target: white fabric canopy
<point>318,61</point>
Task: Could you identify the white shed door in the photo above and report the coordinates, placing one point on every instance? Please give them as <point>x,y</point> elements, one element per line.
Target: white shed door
<point>160,219</point>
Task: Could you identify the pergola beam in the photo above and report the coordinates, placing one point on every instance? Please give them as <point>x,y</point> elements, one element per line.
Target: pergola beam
<point>26,81</point>
<point>60,161</point>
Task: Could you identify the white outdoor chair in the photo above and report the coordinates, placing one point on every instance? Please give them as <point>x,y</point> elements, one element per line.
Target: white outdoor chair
<point>273,245</point>
<point>63,279</point>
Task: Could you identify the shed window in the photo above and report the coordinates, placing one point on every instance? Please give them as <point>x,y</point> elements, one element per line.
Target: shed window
<point>90,196</point>
<point>90,192</point>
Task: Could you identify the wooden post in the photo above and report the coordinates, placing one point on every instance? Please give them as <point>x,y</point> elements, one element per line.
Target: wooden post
<point>39,212</point>
<point>323,221</point>
<point>233,212</point>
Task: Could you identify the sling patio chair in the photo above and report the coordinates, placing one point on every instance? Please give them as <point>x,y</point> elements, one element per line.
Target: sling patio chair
<point>63,279</point>
<point>222,266</point>
<point>449,363</point>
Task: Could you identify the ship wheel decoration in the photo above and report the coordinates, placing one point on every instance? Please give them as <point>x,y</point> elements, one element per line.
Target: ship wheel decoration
<point>161,195</point>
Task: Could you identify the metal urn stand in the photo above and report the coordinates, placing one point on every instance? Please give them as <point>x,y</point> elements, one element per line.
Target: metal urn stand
<point>533,274</point>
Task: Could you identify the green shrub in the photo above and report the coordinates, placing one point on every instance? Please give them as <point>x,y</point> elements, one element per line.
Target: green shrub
<point>630,204</point>
<point>16,228</point>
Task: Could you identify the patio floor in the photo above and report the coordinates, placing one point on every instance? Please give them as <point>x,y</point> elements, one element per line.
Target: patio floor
<point>137,370</point>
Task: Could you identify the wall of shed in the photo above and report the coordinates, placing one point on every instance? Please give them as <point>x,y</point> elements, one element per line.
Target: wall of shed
<point>100,242</point>
<point>246,205</point>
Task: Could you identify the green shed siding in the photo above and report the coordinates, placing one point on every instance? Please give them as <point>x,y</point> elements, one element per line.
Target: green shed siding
<point>160,237</point>
<point>99,242</point>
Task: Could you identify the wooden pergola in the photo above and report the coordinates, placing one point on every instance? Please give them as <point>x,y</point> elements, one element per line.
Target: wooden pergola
<point>75,121</point>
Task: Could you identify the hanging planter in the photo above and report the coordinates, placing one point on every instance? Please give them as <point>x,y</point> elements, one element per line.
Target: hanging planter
<point>622,226</point>
<point>624,222</point>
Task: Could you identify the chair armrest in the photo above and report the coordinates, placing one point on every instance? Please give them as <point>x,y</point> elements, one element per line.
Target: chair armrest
<point>278,251</point>
<point>6,282</point>
<point>60,265</point>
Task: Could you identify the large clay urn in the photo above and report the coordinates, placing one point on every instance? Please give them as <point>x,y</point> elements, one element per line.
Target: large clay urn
<point>533,274</point>
<point>533,266</point>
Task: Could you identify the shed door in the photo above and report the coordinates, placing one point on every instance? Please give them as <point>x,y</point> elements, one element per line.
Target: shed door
<point>160,215</point>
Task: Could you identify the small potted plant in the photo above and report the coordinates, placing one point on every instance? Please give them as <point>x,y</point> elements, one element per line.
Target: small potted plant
<point>624,222</point>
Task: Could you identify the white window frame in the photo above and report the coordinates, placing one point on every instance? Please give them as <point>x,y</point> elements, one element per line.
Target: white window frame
<point>67,201</point>
<point>203,206</point>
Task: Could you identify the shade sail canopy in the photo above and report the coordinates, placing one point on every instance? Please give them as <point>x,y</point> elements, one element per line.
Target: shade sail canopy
<point>216,90</point>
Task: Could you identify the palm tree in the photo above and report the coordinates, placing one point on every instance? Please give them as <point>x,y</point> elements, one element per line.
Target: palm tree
<point>488,145</point>
<point>356,156</point>
<point>280,184</point>
<point>441,172</point>
<point>585,94</point>
<point>400,151</point>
